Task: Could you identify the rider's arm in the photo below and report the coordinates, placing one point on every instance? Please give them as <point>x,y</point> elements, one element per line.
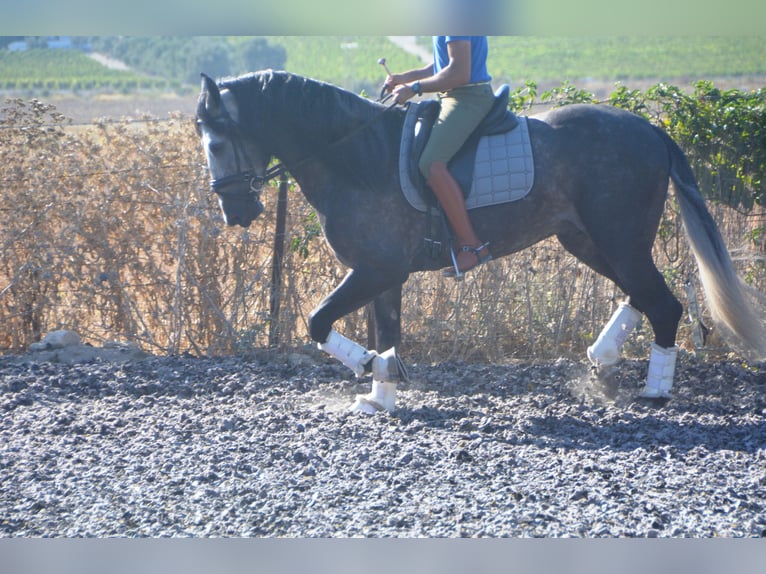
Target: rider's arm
<point>407,77</point>
<point>456,73</point>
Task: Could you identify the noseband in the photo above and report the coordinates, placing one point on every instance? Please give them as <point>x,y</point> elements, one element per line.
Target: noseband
<point>254,182</point>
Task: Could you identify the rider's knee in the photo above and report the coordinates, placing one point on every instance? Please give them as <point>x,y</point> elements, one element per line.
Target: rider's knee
<point>431,168</point>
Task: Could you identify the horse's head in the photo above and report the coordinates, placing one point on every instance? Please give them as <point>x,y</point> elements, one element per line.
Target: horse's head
<point>237,165</point>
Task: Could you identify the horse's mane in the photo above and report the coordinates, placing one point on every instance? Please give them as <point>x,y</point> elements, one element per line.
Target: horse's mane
<point>271,102</point>
<point>330,109</point>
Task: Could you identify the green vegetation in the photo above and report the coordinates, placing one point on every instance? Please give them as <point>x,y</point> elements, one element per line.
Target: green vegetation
<point>348,61</point>
<point>723,133</point>
<point>352,61</point>
<point>182,58</point>
<point>519,59</point>
<point>42,69</point>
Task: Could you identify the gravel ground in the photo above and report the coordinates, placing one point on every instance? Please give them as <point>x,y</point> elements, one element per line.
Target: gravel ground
<point>263,446</point>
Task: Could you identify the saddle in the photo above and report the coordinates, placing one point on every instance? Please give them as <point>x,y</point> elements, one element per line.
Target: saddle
<point>493,166</point>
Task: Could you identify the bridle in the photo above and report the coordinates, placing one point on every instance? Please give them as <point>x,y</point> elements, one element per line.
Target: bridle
<point>254,182</point>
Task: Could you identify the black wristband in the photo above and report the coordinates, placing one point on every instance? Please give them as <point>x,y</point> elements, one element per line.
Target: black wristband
<point>416,88</point>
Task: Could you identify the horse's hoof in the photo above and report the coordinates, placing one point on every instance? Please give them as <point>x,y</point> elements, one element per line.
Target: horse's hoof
<point>654,393</point>
<point>366,405</point>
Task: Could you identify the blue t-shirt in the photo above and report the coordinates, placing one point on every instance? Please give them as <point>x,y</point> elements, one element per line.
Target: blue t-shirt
<point>478,56</point>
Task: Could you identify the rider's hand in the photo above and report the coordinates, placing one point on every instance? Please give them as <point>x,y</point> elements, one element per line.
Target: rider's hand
<point>391,82</point>
<point>402,93</point>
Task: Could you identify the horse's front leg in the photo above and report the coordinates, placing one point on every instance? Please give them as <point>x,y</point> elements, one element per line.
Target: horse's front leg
<point>359,288</point>
<point>388,369</point>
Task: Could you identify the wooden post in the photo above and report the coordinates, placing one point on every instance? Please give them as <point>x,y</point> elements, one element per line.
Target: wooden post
<point>275,295</point>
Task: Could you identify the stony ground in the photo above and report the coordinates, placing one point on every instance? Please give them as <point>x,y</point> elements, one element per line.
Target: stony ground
<point>263,446</point>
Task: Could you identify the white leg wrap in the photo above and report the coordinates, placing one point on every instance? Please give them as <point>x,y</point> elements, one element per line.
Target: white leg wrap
<point>381,398</point>
<point>351,354</point>
<point>387,370</point>
<point>606,349</point>
<point>662,366</point>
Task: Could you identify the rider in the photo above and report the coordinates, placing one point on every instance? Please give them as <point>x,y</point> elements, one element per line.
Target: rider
<point>459,75</point>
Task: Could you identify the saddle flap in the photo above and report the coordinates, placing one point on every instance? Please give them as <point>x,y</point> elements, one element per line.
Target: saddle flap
<point>424,117</point>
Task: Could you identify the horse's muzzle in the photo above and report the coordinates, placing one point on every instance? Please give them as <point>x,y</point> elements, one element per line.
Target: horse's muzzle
<point>241,213</point>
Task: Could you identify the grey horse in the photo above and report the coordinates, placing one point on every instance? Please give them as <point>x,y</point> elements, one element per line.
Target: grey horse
<point>600,184</point>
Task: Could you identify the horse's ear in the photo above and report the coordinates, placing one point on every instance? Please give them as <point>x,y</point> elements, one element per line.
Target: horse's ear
<point>211,94</point>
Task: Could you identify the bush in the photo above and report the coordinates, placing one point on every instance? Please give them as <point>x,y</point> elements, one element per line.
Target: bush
<point>112,231</point>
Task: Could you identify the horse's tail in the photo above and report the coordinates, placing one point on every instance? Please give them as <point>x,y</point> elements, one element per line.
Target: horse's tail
<point>726,294</point>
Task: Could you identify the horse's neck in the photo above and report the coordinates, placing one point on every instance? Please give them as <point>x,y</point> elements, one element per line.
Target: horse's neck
<point>321,127</point>
<point>322,144</point>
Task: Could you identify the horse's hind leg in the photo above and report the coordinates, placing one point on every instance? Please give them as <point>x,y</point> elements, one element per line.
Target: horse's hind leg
<point>650,294</point>
<point>639,278</point>
<point>605,350</point>
<point>582,247</point>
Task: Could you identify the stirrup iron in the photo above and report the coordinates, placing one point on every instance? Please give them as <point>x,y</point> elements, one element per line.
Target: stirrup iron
<point>457,274</point>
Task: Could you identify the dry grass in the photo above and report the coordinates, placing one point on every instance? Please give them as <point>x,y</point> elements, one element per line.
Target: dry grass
<point>110,230</point>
